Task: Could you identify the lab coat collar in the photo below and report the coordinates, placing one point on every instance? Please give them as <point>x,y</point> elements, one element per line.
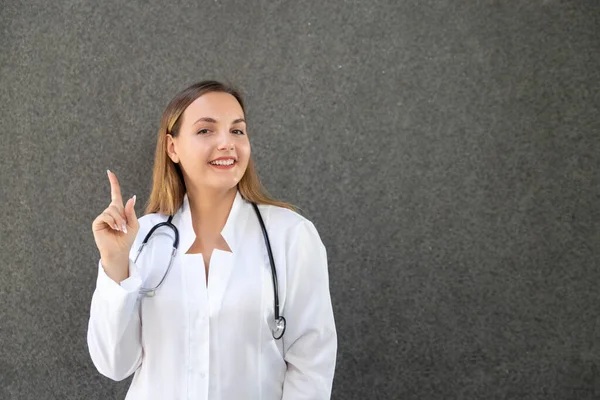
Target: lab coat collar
<point>230,232</point>
<point>222,260</point>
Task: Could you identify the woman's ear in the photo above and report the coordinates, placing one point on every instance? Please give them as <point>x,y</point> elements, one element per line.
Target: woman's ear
<point>171,149</point>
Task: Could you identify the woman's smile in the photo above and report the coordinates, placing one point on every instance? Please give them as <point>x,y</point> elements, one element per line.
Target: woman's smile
<point>224,163</point>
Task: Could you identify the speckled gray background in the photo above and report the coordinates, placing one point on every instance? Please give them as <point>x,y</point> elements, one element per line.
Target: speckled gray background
<point>447,151</point>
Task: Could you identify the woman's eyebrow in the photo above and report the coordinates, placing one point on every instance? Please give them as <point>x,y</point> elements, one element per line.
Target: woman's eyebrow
<point>214,121</point>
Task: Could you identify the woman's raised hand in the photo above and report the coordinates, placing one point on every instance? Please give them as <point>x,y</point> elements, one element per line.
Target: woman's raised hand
<point>114,231</point>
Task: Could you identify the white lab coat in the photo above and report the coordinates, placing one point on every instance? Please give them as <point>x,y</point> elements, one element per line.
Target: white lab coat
<point>191,341</point>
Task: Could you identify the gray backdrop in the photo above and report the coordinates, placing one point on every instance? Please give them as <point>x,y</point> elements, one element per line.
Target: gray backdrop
<point>447,151</point>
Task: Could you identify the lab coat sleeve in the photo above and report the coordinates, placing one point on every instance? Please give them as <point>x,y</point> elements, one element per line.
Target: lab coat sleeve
<point>114,328</point>
<point>310,339</point>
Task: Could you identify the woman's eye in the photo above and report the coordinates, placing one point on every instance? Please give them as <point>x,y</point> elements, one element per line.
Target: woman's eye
<point>239,132</point>
<point>203,131</point>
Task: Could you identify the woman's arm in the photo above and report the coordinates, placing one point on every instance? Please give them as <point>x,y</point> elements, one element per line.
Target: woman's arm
<point>114,329</point>
<point>310,339</point>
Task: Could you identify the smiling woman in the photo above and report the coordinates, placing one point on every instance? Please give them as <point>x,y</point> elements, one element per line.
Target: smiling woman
<point>203,119</point>
<point>211,327</point>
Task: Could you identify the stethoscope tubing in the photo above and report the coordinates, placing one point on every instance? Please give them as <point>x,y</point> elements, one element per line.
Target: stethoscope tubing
<point>280,322</point>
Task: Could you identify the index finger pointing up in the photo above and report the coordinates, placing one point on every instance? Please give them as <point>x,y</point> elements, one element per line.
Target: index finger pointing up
<point>115,189</point>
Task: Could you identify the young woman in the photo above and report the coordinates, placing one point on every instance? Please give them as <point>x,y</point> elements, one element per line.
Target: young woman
<point>210,330</point>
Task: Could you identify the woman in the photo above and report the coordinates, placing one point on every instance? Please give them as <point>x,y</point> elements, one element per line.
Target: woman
<point>209,330</point>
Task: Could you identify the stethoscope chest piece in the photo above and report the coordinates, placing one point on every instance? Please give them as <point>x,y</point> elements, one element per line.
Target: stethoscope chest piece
<point>279,329</point>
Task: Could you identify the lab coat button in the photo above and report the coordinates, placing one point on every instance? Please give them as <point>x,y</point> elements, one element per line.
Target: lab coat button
<point>202,375</point>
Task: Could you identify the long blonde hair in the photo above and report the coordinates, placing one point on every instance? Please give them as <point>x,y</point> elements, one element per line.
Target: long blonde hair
<point>168,186</point>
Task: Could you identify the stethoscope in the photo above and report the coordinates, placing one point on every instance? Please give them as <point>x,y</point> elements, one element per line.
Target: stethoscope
<point>280,322</point>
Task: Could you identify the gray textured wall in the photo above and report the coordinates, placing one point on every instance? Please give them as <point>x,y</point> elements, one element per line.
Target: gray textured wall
<point>447,151</point>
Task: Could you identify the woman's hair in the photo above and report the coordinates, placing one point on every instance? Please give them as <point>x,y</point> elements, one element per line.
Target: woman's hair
<point>168,186</point>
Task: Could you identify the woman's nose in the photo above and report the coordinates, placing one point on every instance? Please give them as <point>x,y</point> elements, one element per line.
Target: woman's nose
<point>225,142</point>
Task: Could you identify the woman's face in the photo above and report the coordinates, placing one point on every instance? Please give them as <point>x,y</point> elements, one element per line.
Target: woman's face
<point>212,128</point>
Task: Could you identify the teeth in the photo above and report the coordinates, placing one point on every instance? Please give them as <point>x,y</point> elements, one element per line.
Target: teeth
<point>222,162</point>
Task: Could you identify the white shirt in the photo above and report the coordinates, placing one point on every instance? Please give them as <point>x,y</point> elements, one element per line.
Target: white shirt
<point>191,341</point>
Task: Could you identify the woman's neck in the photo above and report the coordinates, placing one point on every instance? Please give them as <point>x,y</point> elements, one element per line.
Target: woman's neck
<point>210,209</point>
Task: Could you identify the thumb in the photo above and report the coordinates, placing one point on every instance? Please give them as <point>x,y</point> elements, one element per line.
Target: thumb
<point>130,212</point>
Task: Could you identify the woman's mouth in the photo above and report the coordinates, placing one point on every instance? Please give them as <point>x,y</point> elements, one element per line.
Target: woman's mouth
<point>223,164</point>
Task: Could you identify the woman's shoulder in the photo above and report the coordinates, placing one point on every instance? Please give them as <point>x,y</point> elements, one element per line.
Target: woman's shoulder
<point>151,218</point>
<point>285,221</point>
<point>147,221</point>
